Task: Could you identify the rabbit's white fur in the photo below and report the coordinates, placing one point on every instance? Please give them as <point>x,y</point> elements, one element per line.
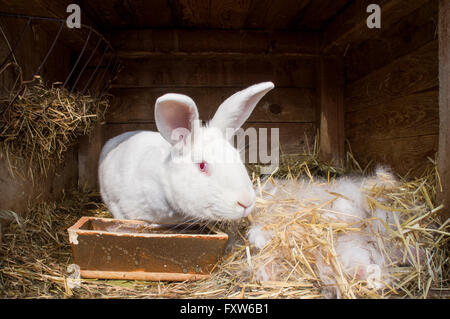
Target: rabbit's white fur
<point>155,176</point>
<point>357,251</point>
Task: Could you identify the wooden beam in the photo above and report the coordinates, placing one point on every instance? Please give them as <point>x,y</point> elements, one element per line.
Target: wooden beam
<point>415,72</point>
<point>88,155</point>
<point>274,15</point>
<point>136,105</point>
<point>228,14</point>
<point>331,102</point>
<point>44,8</point>
<point>406,116</point>
<point>407,156</point>
<point>317,13</point>
<point>350,25</point>
<point>294,138</point>
<point>403,37</point>
<point>226,71</point>
<point>444,106</point>
<point>146,43</point>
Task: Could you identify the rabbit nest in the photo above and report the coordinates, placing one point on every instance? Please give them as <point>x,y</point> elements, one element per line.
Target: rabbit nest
<point>35,253</point>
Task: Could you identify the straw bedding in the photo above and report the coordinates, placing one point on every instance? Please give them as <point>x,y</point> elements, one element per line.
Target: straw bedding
<point>36,252</point>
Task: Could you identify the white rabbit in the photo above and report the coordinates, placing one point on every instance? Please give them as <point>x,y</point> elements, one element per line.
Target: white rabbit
<point>186,171</point>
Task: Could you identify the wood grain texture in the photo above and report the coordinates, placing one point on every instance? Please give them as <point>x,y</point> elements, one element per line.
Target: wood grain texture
<point>210,14</point>
<point>350,25</point>
<point>110,14</point>
<point>391,93</point>
<point>279,105</point>
<point>404,155</point>
<point>331,110</point>
<point>317,13</point>
<point>293,137</point>
<point>46,8</point>
<point>387,44</point>
<point>54,9</point>
<point>274,15</point>
<point>444,106</point>
<point>194,13</point>
<point>415,72</point>
<point>88,155</point>
<point>146,43</point>
<point>17,194</point>
<point>217,72</point>
<point>32,50</point>
<point>412,115</point>
<point>228,14</point>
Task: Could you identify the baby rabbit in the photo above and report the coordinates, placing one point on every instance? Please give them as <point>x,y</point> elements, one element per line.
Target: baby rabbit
<point>186,172</point>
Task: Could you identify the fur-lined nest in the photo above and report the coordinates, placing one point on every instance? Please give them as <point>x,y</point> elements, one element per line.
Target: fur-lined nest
<point>39,123</point>
<point>36,252</point>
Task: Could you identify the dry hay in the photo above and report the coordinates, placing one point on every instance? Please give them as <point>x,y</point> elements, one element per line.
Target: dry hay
<point>39,123</point>
<point>416,248</point>
<point>36,253</point>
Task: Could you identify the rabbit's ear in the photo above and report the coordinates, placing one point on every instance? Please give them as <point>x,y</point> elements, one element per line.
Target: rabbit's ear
<point>175,116</point>
<point>235,110</point>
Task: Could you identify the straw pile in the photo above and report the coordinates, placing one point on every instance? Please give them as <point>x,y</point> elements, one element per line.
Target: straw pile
<point>39,123</point>
<point>36,253</point>
<point>416,248</point>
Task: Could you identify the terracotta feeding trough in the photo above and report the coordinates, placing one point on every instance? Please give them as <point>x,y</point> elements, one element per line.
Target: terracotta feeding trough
<point>138,250</point>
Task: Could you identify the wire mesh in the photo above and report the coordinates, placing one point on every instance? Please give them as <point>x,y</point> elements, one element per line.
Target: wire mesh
<point>96,63</point>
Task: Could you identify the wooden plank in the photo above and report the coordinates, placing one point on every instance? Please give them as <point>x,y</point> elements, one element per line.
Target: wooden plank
<point>19,194</point>
<point>37,38</point>
<point>228,14</point>
<point>279,105</point>
<point>403,155</point>
<point>45,8</point>
<point>192,13</point>
<point>88,155</point>
<point>415,72</point>
<point>274,15</point>
<point>388,44</point>
<point>444,106</point>
<point>137,43</point>
<point>257,13</point>
<point>114,129</point>
<point>297,42</point>
<point>113,14</point>
<point>167,71</point>
<point>350,25</point>
<point>54,9</point>
<point>412,115</point>
<point>331,108</point>
<point>293,137</point>
<point>318,13</point>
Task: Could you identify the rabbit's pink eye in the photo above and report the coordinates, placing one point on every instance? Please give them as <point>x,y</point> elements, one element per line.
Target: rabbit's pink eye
<point>203,167</point>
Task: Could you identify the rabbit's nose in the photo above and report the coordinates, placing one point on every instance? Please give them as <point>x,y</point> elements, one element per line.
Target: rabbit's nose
<point>246,201</point>
<point>242,205</point>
